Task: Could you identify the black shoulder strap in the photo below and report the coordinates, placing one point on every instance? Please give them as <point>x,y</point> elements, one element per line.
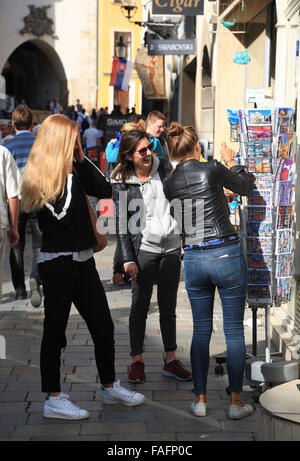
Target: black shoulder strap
<point>164,168</point>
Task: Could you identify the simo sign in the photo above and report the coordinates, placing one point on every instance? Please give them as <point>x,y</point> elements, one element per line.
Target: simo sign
<point>184,7</point>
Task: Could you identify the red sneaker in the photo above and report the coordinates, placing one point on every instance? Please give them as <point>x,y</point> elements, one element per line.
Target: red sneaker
<point>118,279</point>
<point>176,370</point>
<point>136,372</point>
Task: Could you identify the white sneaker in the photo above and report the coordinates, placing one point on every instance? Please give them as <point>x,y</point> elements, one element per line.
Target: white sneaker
<point>61,407</point>
<point>118,393</point>
<point>236,412</point>
<point>36,295</point>
<point>199,408</point>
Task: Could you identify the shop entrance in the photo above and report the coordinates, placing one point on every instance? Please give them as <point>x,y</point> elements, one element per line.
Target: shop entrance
<point>34,72</point>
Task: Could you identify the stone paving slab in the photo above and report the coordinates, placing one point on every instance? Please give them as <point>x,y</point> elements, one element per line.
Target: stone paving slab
<point>165,415</point>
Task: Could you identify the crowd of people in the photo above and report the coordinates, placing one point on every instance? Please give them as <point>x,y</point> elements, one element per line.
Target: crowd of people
<point>46,180</point>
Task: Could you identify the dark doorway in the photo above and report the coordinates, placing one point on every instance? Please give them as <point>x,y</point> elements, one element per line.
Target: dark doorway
<point>35,73</point>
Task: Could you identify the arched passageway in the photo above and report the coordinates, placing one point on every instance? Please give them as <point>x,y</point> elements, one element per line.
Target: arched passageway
<point>34,72</point>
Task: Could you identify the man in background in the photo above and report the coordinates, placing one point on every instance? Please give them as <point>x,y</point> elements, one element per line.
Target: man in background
<point>10,184</point>
<point>20,147</point>
<point>156,124</point>
<point>92,139</point>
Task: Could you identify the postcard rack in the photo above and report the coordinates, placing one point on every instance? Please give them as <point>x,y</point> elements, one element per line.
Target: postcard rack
<point>266,219</point>
<point>267,148</point>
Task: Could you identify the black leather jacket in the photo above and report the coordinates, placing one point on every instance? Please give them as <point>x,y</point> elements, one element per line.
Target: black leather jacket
<point>129,243</point>
<point>204,182</point>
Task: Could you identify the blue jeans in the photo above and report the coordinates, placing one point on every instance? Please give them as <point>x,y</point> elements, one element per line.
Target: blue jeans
<point>204,270</point>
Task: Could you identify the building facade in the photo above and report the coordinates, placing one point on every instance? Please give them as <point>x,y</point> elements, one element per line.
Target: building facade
<point>46,52</point>
<point>203,86</point>
<point>113,28</point>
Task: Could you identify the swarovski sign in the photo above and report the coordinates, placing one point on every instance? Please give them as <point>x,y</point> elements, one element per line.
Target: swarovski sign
<point>184,7</point>
<point>171,47</point>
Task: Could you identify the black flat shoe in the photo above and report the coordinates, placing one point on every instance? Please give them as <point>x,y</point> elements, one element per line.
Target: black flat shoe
<point>21,294</point>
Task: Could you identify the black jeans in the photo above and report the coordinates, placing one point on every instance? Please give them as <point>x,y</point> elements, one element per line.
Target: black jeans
<point>66,281</point>
<point>17,253</point>
<point>166,269</point>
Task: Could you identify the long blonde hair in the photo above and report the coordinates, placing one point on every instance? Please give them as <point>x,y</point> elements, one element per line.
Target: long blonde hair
<point>49,162</point>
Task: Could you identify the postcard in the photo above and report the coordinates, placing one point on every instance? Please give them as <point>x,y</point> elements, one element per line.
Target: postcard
<point>283,193</point>
<point>284,288</point>
<point>284,119</point>
<point>259,213</point>
<point>259,294</point>
<point>284,143</point>
<point>259,164</point>
<point>284,169</point>
<point>259,276</point>
<point>259,261</point>
<point>284,217</point>
<point>259,133</point>
<point>284,241</point>
<point>284,265</point>
<point>259,245</point>
<point>259,148</point>
<point>263,197</point>
<point>259,229</point>
<point>262,181</point>
<point>259,117</point>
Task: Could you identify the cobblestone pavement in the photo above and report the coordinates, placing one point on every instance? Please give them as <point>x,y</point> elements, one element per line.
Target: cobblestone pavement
<point>166,414</point>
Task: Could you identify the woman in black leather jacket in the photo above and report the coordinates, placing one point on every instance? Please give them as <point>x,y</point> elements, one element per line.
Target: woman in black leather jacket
<point>212,257</point>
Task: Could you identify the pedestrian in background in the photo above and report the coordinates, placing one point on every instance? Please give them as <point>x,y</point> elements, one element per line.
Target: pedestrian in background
<point>92,139</point>
<point>66,262</point>
<point>148,250</point>
<point>112,150</point>
<point>20,147</point>
<point>213,258</point>
<point>156,125</point>
<point>10,184</point>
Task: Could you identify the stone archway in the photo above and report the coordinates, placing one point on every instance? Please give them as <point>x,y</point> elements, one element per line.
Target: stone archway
<point>34,72</point>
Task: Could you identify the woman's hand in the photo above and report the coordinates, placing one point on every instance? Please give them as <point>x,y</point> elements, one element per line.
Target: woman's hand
<point>132,270</point>
<point>227,154</point>
<point>78,152</point>
<point>230,196</point>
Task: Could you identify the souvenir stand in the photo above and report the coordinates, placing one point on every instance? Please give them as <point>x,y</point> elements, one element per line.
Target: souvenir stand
<point>266,219</point>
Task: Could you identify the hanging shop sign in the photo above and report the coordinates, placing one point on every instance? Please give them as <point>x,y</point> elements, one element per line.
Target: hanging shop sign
<point>170,47</point>
<point>150,70</point>
<point>184,7</point>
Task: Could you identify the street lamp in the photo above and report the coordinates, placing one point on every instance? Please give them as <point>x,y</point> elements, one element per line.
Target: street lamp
<point>129,9</point>
<point>121,48</point>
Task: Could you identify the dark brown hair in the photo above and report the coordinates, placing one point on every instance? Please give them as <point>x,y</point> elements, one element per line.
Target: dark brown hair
<point>128,145</point>
<point>181,140</point>
<point>22,118</point>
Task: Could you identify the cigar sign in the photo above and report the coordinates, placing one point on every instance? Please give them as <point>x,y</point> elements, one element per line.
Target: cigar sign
<point>184,7</point>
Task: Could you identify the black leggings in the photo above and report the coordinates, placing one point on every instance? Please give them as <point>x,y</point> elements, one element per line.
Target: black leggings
<point>66,281</point>
<point>166,269</point>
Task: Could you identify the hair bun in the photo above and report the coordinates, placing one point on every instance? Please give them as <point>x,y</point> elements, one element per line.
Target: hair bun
<point>175,129</point>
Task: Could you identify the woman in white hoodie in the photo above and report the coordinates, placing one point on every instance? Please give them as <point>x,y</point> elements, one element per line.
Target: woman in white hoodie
<point>149,243</point>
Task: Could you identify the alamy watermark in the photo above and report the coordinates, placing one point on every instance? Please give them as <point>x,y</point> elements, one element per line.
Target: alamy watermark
<point>133,217</point>
<point>2,348</point>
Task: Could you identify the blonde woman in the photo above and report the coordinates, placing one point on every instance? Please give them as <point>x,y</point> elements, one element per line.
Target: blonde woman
<point>66,263</point>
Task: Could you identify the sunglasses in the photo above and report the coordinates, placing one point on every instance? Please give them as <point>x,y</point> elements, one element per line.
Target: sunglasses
<point>144,149</point>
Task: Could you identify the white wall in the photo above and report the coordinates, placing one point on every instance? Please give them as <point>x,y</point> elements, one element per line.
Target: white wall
<point>74,24</point>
